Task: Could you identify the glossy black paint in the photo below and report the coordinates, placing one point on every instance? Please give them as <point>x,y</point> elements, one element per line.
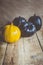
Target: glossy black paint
<point>19,21</point>
<point>36,20</point>
<point>28,29</point>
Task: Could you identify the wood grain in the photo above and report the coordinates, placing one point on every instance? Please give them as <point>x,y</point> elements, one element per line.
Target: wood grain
<point>14,54</point>
<point>8,54</point>
<point>22,51</point>
<point>3,46</point>
<point>31,46</point>
<point>9,9</point>
<point>38,59</point>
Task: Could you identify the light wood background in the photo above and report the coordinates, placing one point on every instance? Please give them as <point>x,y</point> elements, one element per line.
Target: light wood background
<point>27,51</point>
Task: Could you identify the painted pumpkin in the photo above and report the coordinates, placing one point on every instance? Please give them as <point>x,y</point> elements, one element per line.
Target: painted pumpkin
<point>37,21</point>
<point>11,33</point>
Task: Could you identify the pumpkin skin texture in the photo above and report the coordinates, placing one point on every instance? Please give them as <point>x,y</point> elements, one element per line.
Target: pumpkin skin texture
<point>11,33</point>
<point>36,20</point>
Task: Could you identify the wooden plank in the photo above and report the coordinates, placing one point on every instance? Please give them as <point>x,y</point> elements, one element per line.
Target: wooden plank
<point>3,47</point>
<point>32,47</point>
<point>37,59</point>
<point>8,54</point>
<point>18,53</point>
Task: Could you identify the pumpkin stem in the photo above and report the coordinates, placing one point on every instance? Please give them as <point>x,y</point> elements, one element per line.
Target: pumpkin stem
<point>34,14</point>
<point>11,23</point>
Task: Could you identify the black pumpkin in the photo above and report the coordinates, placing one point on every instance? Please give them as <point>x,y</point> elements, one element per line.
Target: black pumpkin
<point>28,29</point>
<point>36,20</point>
<point>18,21</point>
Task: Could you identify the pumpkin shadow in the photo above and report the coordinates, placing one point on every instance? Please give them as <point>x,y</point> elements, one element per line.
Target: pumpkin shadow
<point>1,34</point>
<point>1,37</point>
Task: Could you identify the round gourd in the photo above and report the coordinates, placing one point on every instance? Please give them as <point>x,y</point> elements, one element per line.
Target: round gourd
<point>11,33</point>
<point>37,21</point>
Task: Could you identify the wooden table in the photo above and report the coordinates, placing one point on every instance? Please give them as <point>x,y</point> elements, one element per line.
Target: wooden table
<point>27,51</point>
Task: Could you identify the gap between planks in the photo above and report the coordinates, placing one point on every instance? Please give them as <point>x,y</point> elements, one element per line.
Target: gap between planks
<point>39,35</point>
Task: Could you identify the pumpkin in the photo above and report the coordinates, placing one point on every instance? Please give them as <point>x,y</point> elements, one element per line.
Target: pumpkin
<point>11,33</point>
<point>36,20</point>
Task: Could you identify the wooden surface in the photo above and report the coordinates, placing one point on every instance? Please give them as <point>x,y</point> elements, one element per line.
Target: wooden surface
<point>27,51</point>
